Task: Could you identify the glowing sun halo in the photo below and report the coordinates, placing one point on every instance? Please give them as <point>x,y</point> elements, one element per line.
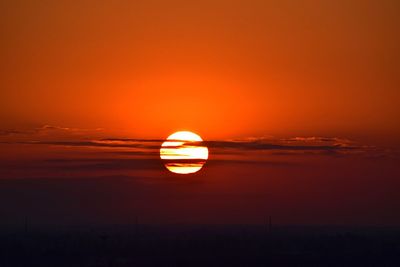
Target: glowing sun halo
<point>183,152</point>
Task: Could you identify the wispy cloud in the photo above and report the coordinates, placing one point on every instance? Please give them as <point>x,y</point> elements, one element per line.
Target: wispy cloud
<point>47,132</point>
<point>11,132</point>
<point>75,137</point>
<point>46,128</point>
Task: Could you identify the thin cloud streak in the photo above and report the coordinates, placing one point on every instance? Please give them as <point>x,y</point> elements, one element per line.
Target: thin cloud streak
<point>58,136</point>
<point>240,145</point>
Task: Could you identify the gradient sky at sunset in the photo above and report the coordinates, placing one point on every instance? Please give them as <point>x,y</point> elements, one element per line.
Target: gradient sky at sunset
<point>298,102</point>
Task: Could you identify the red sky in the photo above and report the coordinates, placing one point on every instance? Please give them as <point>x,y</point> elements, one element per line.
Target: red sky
<point>289,74</point>
<point>147,68</point>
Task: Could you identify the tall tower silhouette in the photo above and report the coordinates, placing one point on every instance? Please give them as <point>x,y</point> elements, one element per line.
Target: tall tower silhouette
<point>270,224</point>
<point>26,225</point>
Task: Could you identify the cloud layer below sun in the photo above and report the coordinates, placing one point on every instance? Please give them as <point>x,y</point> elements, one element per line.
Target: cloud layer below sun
<point>58,147</point>
<point>54,137</point>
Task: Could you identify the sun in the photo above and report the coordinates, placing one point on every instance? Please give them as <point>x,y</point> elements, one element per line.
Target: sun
<point>183,152</point>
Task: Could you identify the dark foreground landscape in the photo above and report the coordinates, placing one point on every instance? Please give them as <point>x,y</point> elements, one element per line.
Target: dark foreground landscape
<point>201,245</point>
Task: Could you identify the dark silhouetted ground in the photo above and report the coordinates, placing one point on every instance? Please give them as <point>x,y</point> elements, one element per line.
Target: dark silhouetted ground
<point>183,245</point>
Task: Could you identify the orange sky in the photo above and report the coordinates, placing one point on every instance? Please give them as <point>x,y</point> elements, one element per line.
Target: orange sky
<point>220,68</point>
